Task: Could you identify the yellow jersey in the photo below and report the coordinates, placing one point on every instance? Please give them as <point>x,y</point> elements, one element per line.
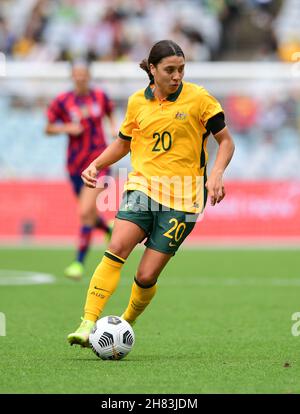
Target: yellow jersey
<point>168,145</point>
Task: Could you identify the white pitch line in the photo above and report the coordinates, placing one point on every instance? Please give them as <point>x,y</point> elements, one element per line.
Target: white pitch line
<point>18,277</point>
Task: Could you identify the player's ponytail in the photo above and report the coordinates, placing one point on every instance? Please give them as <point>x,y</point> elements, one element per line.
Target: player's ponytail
<point>144,65</point>
<point>159,51</point>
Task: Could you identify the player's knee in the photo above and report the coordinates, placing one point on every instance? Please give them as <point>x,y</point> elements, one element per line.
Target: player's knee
<point>87,216</point>
<point>146,278</point>
<point>119,248</point>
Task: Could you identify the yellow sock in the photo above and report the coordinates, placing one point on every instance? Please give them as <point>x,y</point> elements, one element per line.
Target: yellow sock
<point>102,285</point>
<point>139,300</point>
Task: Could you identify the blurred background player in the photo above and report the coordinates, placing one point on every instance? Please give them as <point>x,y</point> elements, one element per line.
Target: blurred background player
<point>79,114</point>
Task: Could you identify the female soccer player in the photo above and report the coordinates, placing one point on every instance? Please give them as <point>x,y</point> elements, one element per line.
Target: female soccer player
<point>79,113</point>
<point>166,129</point>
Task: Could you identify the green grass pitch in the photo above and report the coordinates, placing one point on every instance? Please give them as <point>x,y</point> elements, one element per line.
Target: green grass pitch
<point>220,323</point>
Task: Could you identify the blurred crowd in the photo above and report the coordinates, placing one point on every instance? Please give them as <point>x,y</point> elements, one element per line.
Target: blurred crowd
<point>266,130</point>
<point>265,127</point>
<point>116,30</point>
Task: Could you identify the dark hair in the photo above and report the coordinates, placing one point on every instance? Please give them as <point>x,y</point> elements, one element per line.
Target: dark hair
<point>160,50</point>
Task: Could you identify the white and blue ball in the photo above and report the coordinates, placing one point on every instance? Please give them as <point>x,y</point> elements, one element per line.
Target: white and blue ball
<point>111,338</point>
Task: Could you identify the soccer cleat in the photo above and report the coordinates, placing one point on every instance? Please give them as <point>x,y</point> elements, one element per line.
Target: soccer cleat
<point>74,271</point>
<point>81,335</point>
<point>107,235</point>
<point>130,322</point>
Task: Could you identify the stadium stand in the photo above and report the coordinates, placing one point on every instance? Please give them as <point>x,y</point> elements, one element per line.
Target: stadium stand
<point>261,99</point>
<point>286,27</point>
<point>264,120</point>
<point>106,30</point>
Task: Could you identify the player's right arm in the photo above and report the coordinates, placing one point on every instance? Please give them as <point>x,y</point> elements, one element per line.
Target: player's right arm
<point>68,128</point>
<point>113,153</point>
<point>58,121</point>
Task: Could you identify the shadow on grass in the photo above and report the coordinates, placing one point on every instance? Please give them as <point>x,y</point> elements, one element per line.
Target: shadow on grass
<point>142,358</point>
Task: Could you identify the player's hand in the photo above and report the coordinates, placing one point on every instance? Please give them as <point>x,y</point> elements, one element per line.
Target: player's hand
<point>73,129</point>
<point>89,176</point>
<point>215,188</point>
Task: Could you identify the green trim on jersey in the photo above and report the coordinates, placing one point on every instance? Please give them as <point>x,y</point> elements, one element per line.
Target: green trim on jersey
<point>172,97</point>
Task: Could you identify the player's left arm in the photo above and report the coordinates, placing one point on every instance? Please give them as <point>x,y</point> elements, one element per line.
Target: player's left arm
<point>214,184</point>
<point>113,125</point>
<point>109,109</point>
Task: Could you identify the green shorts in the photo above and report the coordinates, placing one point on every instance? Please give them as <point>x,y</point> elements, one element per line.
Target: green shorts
<point>165,228</point>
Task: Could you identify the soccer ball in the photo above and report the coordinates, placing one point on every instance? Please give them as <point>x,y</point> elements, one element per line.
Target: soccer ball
<point>111,338</point>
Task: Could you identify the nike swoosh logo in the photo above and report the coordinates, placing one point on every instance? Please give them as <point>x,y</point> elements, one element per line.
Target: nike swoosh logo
<point>95,287</point>
<point>172,244</point>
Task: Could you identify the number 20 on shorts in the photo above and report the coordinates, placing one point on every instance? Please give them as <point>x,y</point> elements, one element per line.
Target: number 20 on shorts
<point>176,231</point>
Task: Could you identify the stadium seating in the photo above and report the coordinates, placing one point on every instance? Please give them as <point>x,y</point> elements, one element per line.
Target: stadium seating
<point>27,153</point>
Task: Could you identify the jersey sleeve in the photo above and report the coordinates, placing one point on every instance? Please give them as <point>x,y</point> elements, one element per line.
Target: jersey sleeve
<point>129,122</point>
<point>54,111</point>
<point>209,108</point>
<point>216,123</point>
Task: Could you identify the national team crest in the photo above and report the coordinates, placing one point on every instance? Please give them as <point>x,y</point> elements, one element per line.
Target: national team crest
<point>181,116</point>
